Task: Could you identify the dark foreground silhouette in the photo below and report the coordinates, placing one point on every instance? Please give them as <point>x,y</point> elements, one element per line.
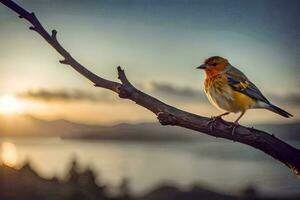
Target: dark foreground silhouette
<point>26,184</point>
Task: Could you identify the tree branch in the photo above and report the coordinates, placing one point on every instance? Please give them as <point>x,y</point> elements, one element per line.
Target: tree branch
<point>166,114</point>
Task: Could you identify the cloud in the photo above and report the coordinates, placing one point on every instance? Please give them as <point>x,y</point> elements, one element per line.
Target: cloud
<point>159,90</point>
<point>291,99</point>
<point>66,95</point>
<point>294,98</point>
<point>172,92</point>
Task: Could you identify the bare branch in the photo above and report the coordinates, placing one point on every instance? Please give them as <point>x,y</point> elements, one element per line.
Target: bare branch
<point>166,114</point>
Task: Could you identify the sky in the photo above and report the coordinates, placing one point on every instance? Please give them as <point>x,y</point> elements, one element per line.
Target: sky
<point>159,43</point>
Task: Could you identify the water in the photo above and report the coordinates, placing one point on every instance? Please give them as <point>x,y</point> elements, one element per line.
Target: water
<point>225,166</point>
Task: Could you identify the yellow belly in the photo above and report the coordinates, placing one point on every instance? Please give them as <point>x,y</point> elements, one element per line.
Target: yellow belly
<point>225,98</point>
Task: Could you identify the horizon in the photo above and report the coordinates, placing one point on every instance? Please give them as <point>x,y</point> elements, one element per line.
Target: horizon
<point>34,117</point>
<point>27,126</point>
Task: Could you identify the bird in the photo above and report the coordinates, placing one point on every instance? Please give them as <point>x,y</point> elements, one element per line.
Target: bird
<point>229,89</point>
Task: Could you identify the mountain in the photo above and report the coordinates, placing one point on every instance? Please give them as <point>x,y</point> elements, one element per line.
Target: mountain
<point>142,131</point>
<point>26,125</point>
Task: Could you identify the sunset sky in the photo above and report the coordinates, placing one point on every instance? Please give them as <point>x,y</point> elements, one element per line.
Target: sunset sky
<point>159,43</point>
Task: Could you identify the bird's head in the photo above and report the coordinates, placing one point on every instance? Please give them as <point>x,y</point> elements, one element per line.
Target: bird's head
<point>214,65</point>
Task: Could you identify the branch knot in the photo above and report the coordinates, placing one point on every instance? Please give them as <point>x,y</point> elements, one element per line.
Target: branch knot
<point>123,92</point>
<point>167,119</point>
<point>53,35</point>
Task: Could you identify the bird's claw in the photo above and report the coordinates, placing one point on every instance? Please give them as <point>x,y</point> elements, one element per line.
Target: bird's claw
<point>233,127</point>
<point>212,121</point>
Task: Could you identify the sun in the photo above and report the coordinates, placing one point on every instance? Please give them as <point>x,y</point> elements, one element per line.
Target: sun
<point>10,105</point>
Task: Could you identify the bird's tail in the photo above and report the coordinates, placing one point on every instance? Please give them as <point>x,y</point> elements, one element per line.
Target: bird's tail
<point>278,110</point>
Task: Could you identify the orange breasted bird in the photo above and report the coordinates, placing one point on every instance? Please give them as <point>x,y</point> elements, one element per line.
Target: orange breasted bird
<point>228,89</point>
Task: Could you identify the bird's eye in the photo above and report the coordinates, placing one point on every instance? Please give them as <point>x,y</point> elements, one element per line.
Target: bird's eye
<point>215,64</point>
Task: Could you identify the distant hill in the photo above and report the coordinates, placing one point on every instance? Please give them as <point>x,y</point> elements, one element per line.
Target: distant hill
<point>142,131</point>
<point>26,125</point>
<point>30,126</point>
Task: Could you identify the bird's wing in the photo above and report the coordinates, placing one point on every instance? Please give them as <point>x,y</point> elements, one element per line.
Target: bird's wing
<point>239,82</point>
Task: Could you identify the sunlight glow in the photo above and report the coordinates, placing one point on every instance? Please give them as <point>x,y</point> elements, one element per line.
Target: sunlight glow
<point>9,155</point>
<point>10,105</point>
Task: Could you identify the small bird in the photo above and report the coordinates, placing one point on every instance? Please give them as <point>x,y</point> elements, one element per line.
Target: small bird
<point>228,89</point>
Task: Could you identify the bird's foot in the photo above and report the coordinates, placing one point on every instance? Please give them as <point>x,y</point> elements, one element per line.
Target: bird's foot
<point>233,127</point>
<point>212,121</point>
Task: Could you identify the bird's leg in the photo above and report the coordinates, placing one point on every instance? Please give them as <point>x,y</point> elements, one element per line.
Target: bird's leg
<point>213,119</point>
<point>236,123</point>
<point>220,116</point>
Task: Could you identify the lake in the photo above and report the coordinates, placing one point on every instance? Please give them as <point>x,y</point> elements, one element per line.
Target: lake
<point>222,165</point>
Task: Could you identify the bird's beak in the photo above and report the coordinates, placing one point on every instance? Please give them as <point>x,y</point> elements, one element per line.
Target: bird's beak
<point>203,66</point>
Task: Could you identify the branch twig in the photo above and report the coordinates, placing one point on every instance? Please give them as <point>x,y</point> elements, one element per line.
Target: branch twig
<point>166,114</point>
